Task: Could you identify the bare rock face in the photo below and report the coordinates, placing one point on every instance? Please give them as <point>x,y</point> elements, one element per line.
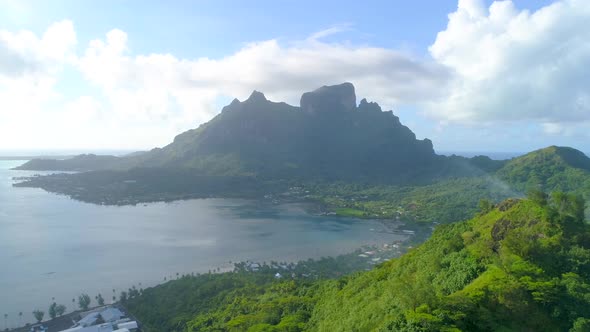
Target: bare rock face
<point>369,106</point>
<point>334,98</point>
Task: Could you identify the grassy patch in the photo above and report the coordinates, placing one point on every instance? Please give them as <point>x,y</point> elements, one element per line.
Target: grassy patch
<point>349,212</point>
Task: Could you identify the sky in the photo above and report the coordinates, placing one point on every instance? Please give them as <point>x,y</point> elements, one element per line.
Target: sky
<point>471,75</point>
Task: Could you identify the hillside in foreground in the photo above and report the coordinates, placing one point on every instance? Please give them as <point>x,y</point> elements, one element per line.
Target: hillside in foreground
<point>522,265</point>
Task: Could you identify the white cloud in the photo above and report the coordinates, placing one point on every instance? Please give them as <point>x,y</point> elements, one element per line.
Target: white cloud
<point>29,70</point>
<point>513,65</point>
<point>23,54</point>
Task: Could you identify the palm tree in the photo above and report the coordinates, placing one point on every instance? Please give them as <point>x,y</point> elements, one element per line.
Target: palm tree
<point>6,322</point>
<point>20,317</point>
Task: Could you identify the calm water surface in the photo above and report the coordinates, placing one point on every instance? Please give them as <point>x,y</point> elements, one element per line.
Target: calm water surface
<point>52,246</point>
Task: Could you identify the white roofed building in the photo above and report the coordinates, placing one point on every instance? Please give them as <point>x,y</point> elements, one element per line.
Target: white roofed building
<point>109,319</point>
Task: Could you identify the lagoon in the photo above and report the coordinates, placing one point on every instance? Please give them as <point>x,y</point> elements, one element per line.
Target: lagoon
<point>55,247</point>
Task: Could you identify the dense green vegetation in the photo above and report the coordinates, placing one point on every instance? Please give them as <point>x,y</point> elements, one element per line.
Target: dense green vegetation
<point>211,301</point>
<point>522,266</point>
<point>151,184</point>
<point>456,198</point>
<point>550,169</point>
<point>445,201</point>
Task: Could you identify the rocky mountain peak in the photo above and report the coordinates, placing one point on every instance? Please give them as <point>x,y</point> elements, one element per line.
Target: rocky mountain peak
<point>329,99</point>
<point>256,96</point>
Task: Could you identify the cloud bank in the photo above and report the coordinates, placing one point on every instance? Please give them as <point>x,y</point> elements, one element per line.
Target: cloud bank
<point>516,65</point>
<point>155,83</point>
<point>161,94</point>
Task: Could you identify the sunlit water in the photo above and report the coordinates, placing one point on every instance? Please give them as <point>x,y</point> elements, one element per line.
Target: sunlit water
<point>52,246</point>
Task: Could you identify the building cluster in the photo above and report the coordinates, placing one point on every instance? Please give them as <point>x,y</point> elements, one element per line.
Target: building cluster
<point>109,319</point>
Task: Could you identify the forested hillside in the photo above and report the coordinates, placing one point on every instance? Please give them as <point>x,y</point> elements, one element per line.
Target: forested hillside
<point>551,168</point>
<point>522,265</point>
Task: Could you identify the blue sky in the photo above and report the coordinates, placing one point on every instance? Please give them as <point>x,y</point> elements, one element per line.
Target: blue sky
<point>191,29</point>
<point>189,38</point>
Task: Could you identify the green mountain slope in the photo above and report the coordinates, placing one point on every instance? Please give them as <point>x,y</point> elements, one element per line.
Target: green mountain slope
<point>552,168</point>
<point>522,266</point>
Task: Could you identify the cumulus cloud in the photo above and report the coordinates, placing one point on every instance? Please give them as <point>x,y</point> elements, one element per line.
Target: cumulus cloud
<point>514,65</point>
<point>280,71</point>
<point>30,66</point>
<point>25,54</point>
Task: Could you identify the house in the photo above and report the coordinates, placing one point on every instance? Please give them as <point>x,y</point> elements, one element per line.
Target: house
<point>109,319</point>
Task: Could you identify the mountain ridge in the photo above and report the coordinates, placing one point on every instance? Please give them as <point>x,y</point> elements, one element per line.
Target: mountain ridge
<point>550,168</point>
<point>329,135</point>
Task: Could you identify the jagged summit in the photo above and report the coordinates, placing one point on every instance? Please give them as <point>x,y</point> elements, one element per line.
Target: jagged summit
<point>364,105</point>
<point>339,97</point>
<point>256,97</point>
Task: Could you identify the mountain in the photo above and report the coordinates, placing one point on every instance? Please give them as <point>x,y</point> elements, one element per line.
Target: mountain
<point>327,137</point>
<point>521,265</point>
<point>551,169</point>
